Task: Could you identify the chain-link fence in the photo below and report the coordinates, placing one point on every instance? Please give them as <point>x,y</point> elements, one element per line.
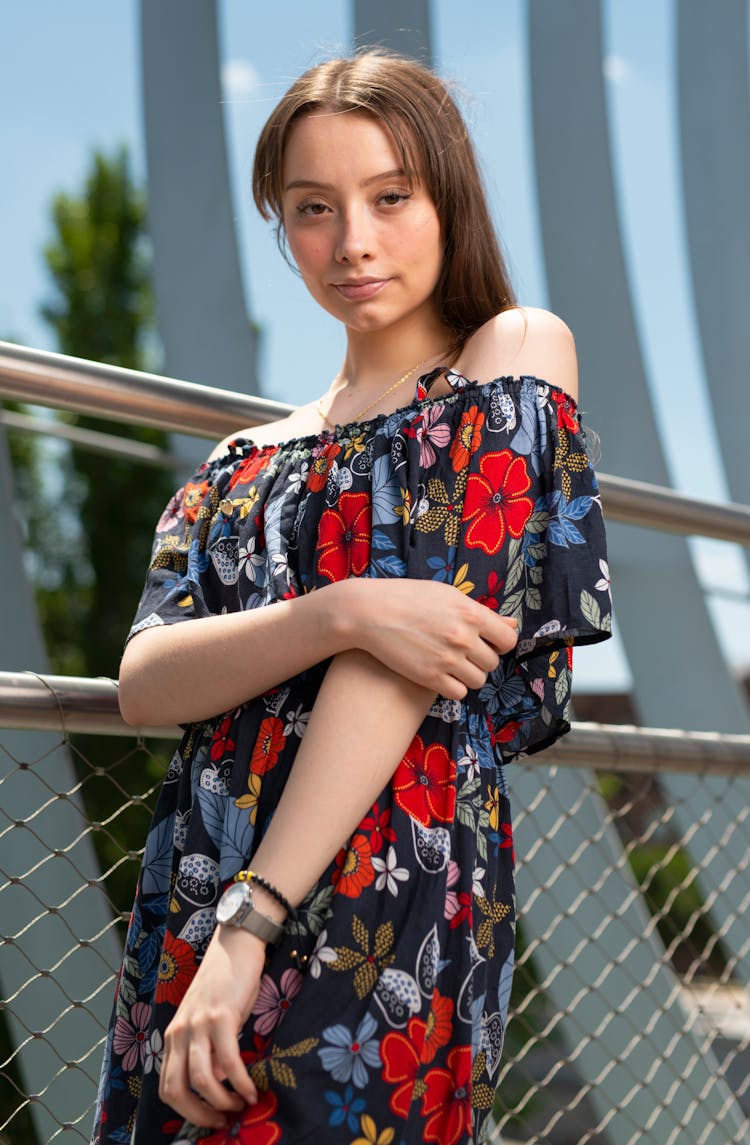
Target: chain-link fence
<point>628,1003</point>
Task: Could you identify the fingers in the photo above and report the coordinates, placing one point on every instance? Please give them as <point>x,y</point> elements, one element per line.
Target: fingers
<point>203,1078</point>
<point>190,1074</point>
<point>174,1090</point>
<point>227,1056</point>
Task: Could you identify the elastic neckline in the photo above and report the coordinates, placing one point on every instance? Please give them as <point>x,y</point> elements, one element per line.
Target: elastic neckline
<point>350,429</point>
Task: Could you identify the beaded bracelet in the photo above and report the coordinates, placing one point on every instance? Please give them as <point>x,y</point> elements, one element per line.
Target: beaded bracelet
<point>249,876</point>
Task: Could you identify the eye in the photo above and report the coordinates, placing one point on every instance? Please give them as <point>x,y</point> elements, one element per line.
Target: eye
<point>393,198</point>
<point>311,207</point>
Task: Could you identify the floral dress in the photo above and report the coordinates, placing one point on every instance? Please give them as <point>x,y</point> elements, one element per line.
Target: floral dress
<point>391,1028</point>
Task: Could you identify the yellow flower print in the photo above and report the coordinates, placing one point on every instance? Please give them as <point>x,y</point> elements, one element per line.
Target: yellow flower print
<point>253,795</point>
<point>370,1135</point>
<point>568,462</point>
<point>404,509</point>
<point>493,806</point>
<point>460,582</point>
<point>356,445</point>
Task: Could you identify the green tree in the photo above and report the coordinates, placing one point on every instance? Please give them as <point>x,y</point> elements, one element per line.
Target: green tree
<point>103,310</point>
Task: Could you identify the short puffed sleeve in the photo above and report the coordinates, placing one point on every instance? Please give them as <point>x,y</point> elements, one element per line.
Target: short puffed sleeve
<point>193,556</point>
<point>504,504</point>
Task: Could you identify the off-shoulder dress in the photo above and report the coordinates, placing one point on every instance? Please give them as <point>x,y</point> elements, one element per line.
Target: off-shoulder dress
<point>392,1030</point>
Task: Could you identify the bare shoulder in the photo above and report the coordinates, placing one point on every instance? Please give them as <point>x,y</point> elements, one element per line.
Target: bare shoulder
<point>523,340</point>
<point>298,423</point>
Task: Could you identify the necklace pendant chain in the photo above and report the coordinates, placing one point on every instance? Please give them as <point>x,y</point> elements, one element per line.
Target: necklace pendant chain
<point>379,398</point>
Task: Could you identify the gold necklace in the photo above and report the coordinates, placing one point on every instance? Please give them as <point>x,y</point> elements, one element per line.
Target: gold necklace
<point>380,397</point>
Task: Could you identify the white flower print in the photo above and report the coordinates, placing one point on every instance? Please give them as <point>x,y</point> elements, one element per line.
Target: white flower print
<point>154,1052</point>
<point>321,955</point>
<point>250,560</point>
<point>389,875</point>
<point>296,722</point>
<point>470,761</point>
<point>604,583</point>
<point>298,477</point>
<point>477,881</point>
<point>281,564</point>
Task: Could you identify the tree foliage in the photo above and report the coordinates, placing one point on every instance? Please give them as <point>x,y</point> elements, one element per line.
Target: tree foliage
<point>103,310</point>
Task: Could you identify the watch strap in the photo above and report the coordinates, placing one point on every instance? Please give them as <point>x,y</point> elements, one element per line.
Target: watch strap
<point>261,925</point>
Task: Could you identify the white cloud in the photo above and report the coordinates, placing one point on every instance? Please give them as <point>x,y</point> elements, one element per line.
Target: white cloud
<point>239,78</point>
<point>616,68</point>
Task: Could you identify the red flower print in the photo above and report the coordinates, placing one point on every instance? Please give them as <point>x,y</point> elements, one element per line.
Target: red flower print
<point>379,831</point>
<point>424,784</point>
<point>268,746</point>
<point>447,1100</point>
<point>130,1036</point>
<point>439,1026</point>
<point>490,598</point>
<point>401,1055</point>
<point>176,970</point>
<point>468,438</point>
<point>249,469</point>
<point>505,733</point>
<point>221,743</point>
<point>565,411</point>
<point>354,869</point>
<point>194,493</point>
<point>322,465</point>
<point>506,836</point>
<point>273,1001</point>
<point>344,537</point>
<point>254,1127</point>
<point>569,655</point>
<point>495,503</point>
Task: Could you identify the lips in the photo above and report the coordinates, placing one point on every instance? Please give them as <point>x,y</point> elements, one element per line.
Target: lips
<point>357,289</point>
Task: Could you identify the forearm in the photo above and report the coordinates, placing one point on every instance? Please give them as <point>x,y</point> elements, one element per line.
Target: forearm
<point>180,673</point>
<point>363,720</point>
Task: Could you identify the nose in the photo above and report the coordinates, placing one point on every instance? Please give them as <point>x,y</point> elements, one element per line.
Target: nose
<point>354,241</point>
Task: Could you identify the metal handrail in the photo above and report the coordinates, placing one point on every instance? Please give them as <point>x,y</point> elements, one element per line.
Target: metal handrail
<point>62,382</point>
<point>68,704</point>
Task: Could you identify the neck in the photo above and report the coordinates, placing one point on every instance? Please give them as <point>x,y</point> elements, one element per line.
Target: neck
<point>375,359</point>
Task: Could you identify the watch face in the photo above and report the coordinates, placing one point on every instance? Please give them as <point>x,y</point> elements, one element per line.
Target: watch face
<point>232,901</point>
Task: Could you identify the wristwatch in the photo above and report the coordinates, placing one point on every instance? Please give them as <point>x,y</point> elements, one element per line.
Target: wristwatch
<point>235,908</point>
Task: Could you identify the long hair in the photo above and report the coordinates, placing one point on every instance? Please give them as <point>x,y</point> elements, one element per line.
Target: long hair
<point>436,151</point>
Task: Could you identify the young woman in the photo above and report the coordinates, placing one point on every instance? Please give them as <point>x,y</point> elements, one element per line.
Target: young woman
<point>429,534</point>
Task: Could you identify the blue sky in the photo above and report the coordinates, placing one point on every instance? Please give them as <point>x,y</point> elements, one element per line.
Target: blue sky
<point>70,82</point>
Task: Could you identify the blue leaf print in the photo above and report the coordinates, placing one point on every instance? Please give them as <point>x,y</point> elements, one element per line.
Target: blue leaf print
<point>213,808</point>
<point>386,492</point>
<point>504,986</point>
<point>237,839</point>
<point>157,859</point>
<point>530,438</point>
<point>381,541</point>
<point>562,531</point>
<point>197,562</point>
<point>391,566</point>
<point>479,736</point>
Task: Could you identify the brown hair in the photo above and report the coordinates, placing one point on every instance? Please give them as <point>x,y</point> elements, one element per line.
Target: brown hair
<point>436,151</point>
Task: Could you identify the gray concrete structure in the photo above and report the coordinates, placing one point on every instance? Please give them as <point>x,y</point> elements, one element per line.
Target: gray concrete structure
<point>202,313</point>
<point>712,88</point>
<point>402,25</point>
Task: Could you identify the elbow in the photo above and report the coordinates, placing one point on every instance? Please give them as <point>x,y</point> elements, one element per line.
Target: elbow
<point>136,696</point>
<point>130,699</point>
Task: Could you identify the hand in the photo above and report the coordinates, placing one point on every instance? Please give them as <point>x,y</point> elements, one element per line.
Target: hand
<point>201,1046</point>
<point>429,631</point>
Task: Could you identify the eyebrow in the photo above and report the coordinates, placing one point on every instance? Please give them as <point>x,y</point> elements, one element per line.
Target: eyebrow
<point>396,173</point>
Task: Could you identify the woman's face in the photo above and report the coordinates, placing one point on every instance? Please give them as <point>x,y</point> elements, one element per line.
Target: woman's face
<point>367,242</point>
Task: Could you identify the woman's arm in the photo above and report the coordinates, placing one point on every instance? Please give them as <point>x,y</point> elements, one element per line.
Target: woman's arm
<point>428,631</point>
<point>363,720</point>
